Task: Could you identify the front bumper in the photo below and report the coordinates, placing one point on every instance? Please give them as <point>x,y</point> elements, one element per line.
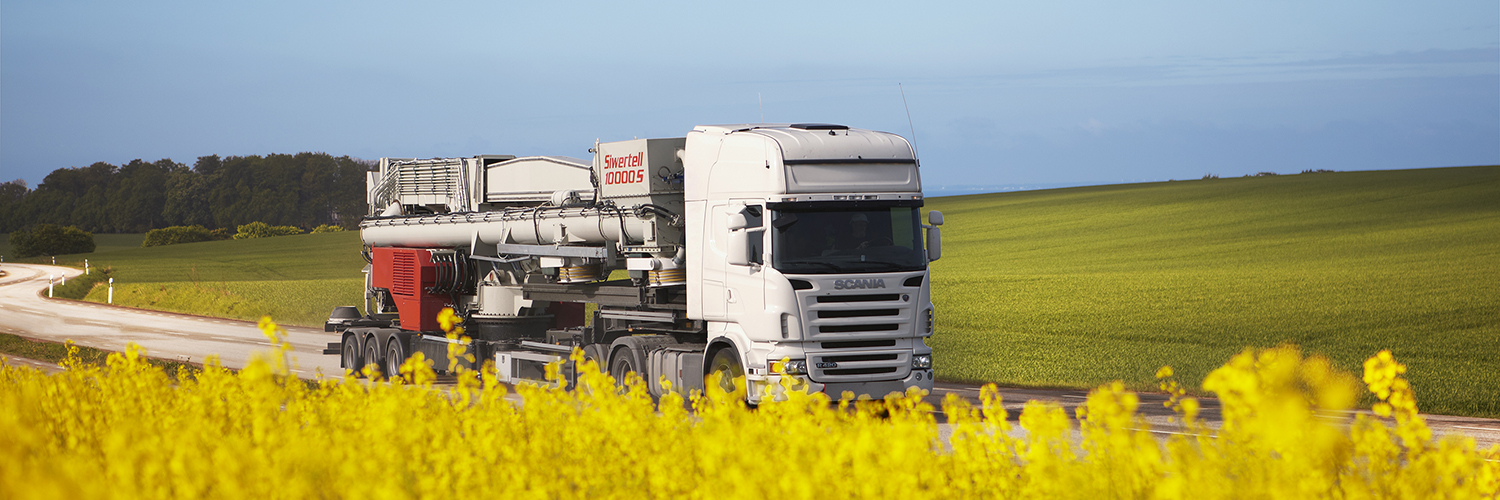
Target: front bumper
<point>769,387</point>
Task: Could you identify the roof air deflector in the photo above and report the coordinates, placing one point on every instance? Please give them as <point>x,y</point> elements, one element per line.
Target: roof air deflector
<point>819,126</point>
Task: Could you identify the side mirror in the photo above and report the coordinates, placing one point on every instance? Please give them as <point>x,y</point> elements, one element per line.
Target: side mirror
<point>739,246</point>
<point>934,236</point>
<point>934,243</point>
<point>737,221</point>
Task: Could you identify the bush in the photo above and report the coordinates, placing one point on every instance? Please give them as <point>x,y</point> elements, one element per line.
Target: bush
<point>176,235</point>
<point>327,228</point>
<point>263,230</point>
<point>50,239</point>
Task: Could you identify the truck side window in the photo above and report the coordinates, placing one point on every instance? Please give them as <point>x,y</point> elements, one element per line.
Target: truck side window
<point>754,215</point>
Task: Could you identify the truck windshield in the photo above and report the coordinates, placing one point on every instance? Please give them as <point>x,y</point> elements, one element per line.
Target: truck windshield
<point>812,239</point>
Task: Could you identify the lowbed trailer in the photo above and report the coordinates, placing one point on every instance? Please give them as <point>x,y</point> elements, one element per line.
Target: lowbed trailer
<point>743,245</point>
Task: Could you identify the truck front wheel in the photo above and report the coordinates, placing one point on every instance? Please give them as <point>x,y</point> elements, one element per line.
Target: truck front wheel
<point>725,370</point>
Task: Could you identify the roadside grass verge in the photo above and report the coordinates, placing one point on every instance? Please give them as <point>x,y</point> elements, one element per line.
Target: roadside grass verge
<point>56,352</point>
<point>1078,287</point>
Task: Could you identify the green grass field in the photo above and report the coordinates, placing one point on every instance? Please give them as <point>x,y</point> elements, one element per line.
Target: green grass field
<point>1075,287</point>
<point>103,243</point>
<point>295,279</point>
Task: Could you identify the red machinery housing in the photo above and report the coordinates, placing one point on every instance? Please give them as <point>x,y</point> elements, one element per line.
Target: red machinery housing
<point>411,274</point>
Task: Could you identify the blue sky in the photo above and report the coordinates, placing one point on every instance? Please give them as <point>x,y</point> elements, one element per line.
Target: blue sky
<point>1001,94</point>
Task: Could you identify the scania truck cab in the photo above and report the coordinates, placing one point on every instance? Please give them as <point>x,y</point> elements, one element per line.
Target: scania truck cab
<point>812,250</point>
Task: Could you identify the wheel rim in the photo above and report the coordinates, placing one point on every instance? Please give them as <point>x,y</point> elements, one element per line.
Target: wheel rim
<point>620,368</point>
<point>725,370</point>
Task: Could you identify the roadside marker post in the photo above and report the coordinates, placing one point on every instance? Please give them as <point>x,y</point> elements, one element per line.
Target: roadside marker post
<point>111,291</point>
<point>49,286</point>
<point>85,266</point>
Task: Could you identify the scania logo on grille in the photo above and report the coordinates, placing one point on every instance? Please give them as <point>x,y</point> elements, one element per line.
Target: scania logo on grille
<point>858,284</point>
<point>827,364</point>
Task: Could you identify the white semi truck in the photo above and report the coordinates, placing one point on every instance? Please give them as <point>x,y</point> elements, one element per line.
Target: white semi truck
<point>744,245</point>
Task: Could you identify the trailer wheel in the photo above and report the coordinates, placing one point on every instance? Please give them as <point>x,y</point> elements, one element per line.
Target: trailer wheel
<point>351,354</point>
<point>723,369</point>
<point>372,356</point>
<point>395,356</point>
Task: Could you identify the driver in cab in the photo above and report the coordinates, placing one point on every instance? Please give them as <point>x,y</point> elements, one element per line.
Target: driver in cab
<point>856,237</point>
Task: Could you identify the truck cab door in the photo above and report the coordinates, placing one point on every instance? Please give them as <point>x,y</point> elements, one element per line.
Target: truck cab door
<point>744,285</point>
<point>715,237</point>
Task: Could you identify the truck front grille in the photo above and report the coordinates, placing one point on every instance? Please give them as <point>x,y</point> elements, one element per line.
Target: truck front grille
<point>855,313</point>
<point>859,357</point>
<point>860,336</point>
<point>856,344</point>
<point>878,297</point>
<point>888,327</point>
<point>860,371</point>
<point>859,313</point>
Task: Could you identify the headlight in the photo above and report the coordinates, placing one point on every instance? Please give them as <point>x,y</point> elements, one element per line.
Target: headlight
<point>795,367</point>
<point>921,362</point>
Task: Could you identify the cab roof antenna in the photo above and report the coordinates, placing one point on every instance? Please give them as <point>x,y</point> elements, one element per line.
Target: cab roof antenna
<point>909,123</point>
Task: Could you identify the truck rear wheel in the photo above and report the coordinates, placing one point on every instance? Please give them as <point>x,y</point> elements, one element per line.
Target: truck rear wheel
<point>622,365</point>
<point>372,355</point>
<point>395,356</point>
<point>723,369</point>
<point>351,354</point>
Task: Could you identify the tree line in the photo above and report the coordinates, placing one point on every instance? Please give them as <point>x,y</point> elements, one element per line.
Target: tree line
<point>305,190</point>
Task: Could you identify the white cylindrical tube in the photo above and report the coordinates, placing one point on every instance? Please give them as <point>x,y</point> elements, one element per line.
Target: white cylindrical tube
<point>582,226</point>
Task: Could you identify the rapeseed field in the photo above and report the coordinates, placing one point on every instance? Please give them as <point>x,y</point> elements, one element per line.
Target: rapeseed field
<point>129,430</point>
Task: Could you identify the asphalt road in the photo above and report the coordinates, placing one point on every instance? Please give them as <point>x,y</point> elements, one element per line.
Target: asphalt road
<point>25,311</point>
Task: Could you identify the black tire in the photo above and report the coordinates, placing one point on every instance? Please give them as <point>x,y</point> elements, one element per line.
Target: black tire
<point>727,362</point>
<point>395,356</point>
<point>372,355</point>
<point>351,355</point>
<point>591,354</point>
<point>621,366</point>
